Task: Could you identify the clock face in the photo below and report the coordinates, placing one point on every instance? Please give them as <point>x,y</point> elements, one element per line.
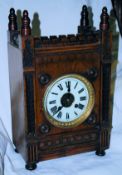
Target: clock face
<point>68,101</point>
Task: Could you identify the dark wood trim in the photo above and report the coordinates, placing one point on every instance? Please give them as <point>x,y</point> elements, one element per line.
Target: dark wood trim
<point>27,54</point>
<point>29,84</point>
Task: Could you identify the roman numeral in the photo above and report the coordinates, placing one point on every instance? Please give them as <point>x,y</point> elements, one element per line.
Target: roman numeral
<point>80,106</point>
<point>68,84</point>
<point>82,98</point>
<point>54,93</point>
<point>52,102</point>
<point>59,115</point>
<point>75,113</point>
<point>67,116</point>
<point>60,87</point>
<point>54,110</point>
<point>81,90</point>
<point>75,85</point>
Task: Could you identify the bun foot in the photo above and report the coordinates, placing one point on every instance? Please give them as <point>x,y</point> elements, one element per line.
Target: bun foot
<point>30,166</point>
<point>100,153</point>
<point>16,150</point>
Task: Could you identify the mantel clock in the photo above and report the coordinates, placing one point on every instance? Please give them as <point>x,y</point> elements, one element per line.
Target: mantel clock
<point>59,89</point>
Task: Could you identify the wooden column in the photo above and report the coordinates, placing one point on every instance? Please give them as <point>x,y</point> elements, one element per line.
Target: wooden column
<point>105,123</point>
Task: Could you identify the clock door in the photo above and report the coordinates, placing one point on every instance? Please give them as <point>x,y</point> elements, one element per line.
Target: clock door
<point>66,103</point>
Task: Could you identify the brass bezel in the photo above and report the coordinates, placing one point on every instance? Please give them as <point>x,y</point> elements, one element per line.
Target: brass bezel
<point>86,113</point>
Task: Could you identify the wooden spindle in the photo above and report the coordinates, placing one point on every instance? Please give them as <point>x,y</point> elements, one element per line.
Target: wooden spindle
<point>84,17</point>
<point>26,29</point>
<point>84,22</point>
<point>104,24</point>
<point>12,25</point>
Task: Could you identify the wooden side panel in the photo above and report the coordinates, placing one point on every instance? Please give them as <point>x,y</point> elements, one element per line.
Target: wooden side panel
<point>17,98</point>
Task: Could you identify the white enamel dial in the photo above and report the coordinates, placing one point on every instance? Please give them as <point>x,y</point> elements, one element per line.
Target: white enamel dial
<point>68,100</point>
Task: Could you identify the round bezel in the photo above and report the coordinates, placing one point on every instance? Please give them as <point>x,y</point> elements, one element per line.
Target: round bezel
<point>87,111</point>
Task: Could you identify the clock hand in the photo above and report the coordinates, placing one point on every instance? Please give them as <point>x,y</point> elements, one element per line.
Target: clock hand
<point>76,105</point>
<point>59,108</point>
<point>68,86</point>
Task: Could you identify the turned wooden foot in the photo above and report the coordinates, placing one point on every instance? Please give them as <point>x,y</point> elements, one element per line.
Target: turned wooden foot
<point>100,153</point>
<point>30,166</point>
<point>16,150</point>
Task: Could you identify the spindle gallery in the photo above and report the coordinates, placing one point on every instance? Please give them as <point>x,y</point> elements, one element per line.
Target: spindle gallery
<point>59,88</point>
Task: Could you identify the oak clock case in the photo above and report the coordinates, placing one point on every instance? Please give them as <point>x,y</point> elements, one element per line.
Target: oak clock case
<point>59,88</point>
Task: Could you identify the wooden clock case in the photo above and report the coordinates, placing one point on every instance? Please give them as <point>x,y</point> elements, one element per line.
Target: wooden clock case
<point>34,62</point>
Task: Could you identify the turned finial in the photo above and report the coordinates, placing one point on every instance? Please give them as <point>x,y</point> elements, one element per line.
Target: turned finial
<point>84,17</point>
<point>25,30</point>
<point>104,24</point>
<point>12,25</point>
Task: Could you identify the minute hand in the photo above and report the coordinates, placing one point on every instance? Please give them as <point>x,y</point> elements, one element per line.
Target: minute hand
<point>59,108</point>
<point>68,86</point>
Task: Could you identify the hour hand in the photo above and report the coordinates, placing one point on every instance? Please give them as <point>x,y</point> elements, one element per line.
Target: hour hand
<point>68,86</point>
<point>59,108</point>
